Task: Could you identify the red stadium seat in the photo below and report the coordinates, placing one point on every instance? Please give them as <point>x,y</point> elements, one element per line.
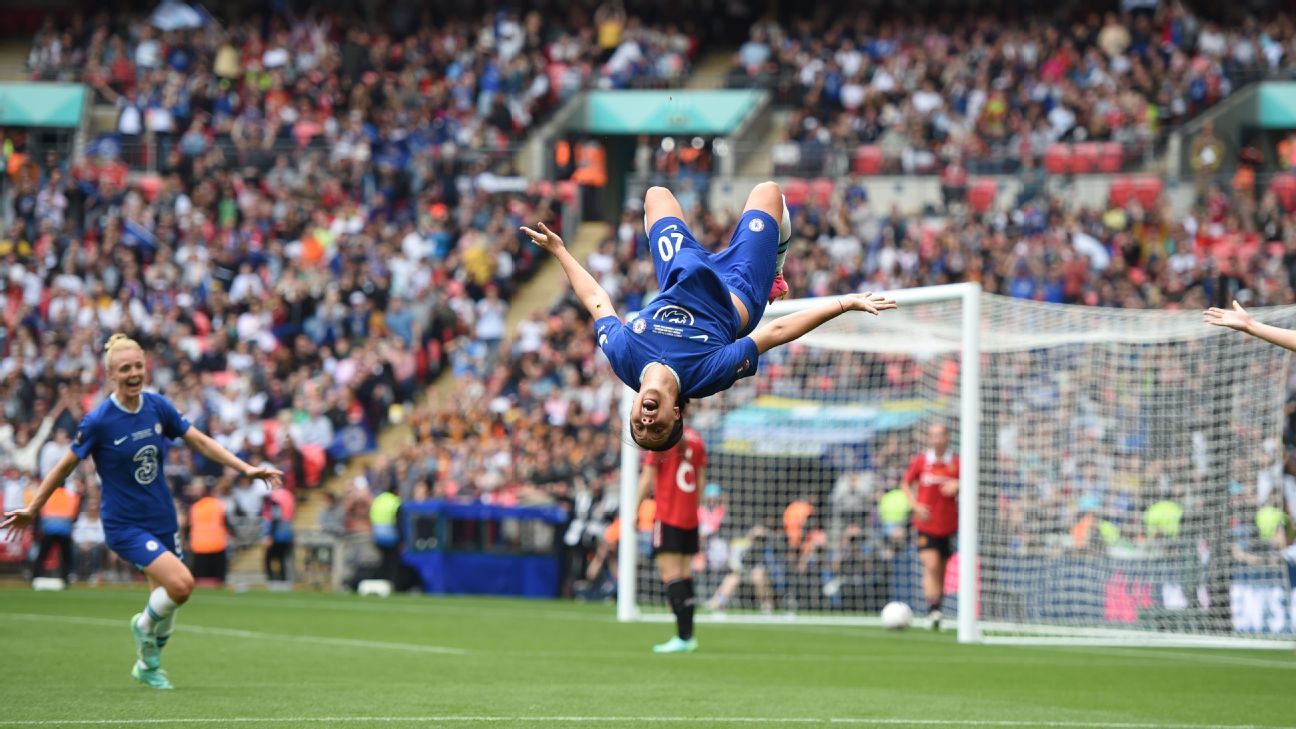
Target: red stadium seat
<point>1147,188</point>
<point>1057,159</point>
<point>796,191</point>
<point>1122,190</point>
<point>1112,158</point>
<point>868,160</point>
<point>1084,158</point>
<point>1284,187</point>
<point>821,191</point>
<point>981,194</point>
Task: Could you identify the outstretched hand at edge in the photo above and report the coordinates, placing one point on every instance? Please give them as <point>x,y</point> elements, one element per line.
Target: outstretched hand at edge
<point>1236,318</point>
<point>867,302</point>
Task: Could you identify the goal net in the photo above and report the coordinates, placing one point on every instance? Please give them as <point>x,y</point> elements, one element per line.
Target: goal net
<point>1122,476</point>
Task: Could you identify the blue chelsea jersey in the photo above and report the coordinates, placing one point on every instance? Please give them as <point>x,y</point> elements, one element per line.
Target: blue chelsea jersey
<point>129,450</point>
<point>690,326</point>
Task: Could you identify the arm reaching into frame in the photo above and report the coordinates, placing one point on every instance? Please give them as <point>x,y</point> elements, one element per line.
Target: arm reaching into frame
<point>794,326</point>
<point>1238,318</point>
<point>596,300</point>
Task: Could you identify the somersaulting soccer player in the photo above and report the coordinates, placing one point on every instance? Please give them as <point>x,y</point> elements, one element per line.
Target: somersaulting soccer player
<point>696,338</point>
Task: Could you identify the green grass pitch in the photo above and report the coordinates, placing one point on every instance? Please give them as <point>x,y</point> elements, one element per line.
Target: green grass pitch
<point>313,660</point>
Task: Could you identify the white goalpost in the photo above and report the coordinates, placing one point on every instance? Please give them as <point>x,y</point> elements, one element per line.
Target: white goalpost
<point>1121,476</point>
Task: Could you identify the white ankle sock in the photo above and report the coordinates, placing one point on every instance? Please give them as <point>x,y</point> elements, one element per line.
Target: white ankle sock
<point>160,607</point>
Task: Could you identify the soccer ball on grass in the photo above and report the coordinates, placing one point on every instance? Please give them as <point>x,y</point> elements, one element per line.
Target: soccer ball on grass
<point>896,616</point>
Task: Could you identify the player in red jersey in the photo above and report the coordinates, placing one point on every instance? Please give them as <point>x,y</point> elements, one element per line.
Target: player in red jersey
<point>932,483</point>
<point>674,475</point>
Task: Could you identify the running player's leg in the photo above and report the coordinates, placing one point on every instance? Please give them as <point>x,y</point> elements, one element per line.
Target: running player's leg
<point>170,586</point>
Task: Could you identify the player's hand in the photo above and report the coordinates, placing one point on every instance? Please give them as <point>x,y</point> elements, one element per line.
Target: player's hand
<point>16,522</point>
<point>545,238</point>
<point>1237,318</point>
<point>272,476</point>
<point>950,487</point>
<point>921,512</point>
<point>867,302</point>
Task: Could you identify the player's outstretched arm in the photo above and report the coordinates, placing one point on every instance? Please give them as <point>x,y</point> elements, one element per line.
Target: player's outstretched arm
<point>211,450</point>
<point>17,521</point>
<point>1237,318</point>
<point>595,299</point>
<point>793,326</point>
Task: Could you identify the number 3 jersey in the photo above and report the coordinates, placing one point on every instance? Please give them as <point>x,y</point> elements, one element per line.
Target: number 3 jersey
<point>129,449</point>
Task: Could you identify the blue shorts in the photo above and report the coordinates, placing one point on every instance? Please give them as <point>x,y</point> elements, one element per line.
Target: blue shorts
<point>746,266</point>
<point>141,547</point>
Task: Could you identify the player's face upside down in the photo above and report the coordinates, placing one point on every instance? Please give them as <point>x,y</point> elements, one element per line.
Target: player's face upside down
<point>654,416</point>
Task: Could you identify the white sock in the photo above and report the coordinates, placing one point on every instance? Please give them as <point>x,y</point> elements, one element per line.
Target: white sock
<point>160,607</point>
<point>785,235</point>
<point>164,628</point>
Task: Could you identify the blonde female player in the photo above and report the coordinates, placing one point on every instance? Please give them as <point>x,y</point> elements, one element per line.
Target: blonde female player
<point>128,435</point>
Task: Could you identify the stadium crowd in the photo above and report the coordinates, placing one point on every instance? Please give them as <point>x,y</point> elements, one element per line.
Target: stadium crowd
<point>992,91</point>
<point>306,259</point>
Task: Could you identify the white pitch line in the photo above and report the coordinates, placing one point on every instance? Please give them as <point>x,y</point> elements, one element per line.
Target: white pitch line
<point>764,720</point>
<point>255,635</point>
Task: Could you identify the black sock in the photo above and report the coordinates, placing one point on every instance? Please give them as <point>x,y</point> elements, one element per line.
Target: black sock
<point>680,593</point>
<point>933,606</point>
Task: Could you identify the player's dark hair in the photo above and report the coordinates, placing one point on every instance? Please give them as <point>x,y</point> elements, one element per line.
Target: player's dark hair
<point>676,433</point>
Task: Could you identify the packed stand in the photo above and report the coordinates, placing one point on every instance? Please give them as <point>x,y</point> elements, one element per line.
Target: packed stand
<point>390,100</point>
<point>362,160</point>
<point>993,92</point>
<point>284,314</point>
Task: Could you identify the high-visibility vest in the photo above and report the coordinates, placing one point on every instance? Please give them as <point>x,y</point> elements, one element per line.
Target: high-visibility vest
<point>591,165</point>
<point>562,153</point>
<point>62,504</point>
<point>207,532</point>
<point>383,510</point>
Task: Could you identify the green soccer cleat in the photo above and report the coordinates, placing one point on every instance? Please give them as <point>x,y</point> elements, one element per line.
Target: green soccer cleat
<point>677,645</point>
<point>146,646</point>
<point>151,677</point>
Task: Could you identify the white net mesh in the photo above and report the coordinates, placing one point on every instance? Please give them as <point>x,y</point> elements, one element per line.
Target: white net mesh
<point>1124,458</point>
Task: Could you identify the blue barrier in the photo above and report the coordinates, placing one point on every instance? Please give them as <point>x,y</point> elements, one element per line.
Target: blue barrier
<point>483,549</point>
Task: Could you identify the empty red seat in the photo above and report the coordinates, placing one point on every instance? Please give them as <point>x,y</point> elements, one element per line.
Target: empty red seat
<point>1057,159</point>
<point>795,191</point>
<point>821,191</point>
<point>1111,158</point>
<point>1122,190</point>
<point>1147,188</point>
<point>868,160</point>
<point>1084,158</point>
<point>981,194</point>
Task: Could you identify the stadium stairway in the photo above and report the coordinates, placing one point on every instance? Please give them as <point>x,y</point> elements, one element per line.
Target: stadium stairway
<point>538,293</point>
<point>710,71</point>
<point>13,60</point>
